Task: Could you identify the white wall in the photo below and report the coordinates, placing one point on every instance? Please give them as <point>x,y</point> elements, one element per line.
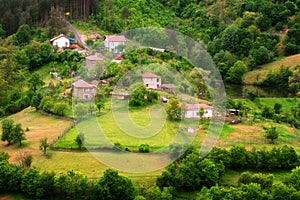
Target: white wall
<point>112,46</point>
<point>152,82</point>
<point>62,42</point>
<point>190,114</point>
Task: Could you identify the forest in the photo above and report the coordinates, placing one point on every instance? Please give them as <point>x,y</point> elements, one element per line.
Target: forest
<point>37,12</point>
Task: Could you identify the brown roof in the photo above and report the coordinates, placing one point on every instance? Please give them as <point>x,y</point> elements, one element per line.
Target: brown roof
<point>96,57</point>
<point>116,38</point>
<point>168,86</point>
<point>149,75</point>
<point>198,106</point>
<point>82,84</point>
<point>57,37</point>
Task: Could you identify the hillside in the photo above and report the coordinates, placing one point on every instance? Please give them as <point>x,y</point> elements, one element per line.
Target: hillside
<point>252,42</point>
<point>257,75</point>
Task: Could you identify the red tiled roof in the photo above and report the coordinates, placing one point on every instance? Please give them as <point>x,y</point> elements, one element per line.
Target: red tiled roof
<point>119,57</point>
<point>82,84</point>
<point>57,37</point>
<point>149,75</point>
<point>198,106</point>
<point>116,38</point>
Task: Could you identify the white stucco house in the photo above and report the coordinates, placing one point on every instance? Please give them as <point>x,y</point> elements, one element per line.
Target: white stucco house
<point>112,42</point>
<point>60,41</point>
<point>151,81</point>
<point>192,111</point>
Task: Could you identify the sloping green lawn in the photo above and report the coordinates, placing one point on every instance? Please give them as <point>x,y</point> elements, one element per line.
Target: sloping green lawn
<point>130,129</point>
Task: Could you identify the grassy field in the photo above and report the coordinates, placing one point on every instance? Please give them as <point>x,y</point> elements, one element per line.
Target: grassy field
<point>107,129</point>
<point>287,103</point>
<point>40,126</point>
<point>88,165</point>
<point>252,135</point>
<point>59,161</point>
<point>258,74</point>
<point>130,130</point>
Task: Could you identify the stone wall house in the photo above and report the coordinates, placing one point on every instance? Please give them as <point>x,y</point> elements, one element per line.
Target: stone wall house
<point>83,90</point>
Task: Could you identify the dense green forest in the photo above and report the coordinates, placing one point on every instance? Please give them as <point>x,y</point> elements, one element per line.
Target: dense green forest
<point>37,12</point>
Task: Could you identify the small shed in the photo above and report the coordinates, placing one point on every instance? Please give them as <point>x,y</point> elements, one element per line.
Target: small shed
<point>168,88</point>
<point>60,41</point>
<point>118,59</point>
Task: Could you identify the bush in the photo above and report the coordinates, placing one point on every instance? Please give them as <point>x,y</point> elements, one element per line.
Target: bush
<point>144,148</point>
<point>118,145</point>
<point>290,49</point>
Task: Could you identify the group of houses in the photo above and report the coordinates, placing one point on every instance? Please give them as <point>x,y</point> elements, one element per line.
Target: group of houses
<point>114,44</point>
<point>86,91</point>
<point>153,81</point>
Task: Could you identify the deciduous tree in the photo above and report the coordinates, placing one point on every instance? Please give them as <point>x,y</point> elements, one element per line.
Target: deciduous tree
<point>173,109</point>
<point>7,128</point>
<point>18,134</point>
<point>44,145</point>
<point>118,187</point>
<point>79,140</point>
<point>236,72</point>
<point>271,133</point>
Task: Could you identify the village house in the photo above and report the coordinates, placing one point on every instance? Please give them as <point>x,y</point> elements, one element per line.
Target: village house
<point>113,42</point>
<point>192,111</point>
<point>83,90</point>
<point>61,41</point>
<point>168,88</point>
<point>118,59</point>
<point>93,59</point>
<point>151,81</point>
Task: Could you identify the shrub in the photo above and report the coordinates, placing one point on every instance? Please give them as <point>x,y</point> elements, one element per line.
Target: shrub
<point>118,145</point>
<point>144,148</point>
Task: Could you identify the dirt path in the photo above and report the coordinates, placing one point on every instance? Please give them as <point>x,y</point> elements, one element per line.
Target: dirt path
<point>76,34</point>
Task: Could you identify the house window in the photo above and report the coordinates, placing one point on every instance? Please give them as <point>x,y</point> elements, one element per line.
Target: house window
<point>147,85</point>
<point>197,114</point>
<point>157,85</point>
<point>86,89</point>
<point>66,44</point>
<point>157,80</point>
<point>86,97</point>
<point>56,43</point>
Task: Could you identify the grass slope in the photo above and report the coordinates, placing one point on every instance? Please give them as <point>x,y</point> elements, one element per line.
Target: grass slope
<point>259,74</point>
<point>130,130</point>
<point>40,126</point>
